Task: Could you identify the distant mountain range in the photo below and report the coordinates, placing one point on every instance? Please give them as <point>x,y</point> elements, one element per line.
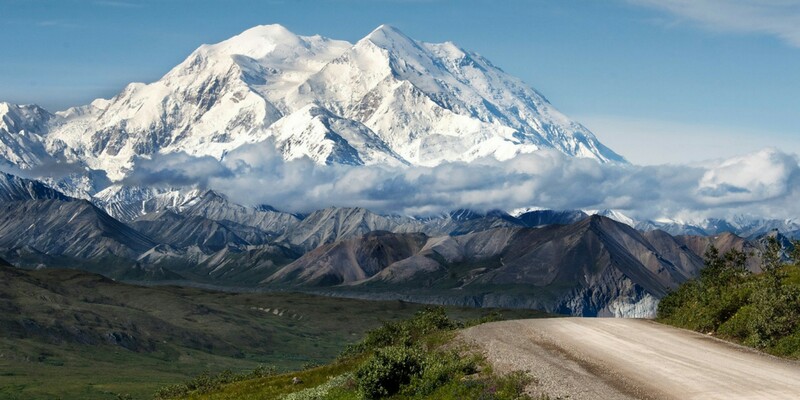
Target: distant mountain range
<point>386,100</point>
<point>595,267</point>
<point>560,261</point>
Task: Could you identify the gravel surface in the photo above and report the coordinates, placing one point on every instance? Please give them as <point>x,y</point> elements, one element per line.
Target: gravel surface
<point>611,358</point>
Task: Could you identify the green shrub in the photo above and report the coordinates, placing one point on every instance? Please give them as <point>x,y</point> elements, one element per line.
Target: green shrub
<point>390,334</point>
<point>761,311</point>
<point>440,368</point>
<point>788,346</point>
<point>738,326</point>
<point>261,371</point>
<point>491,387</point>
<point>387,370</point>
<point>671,304</point>
<point>171,392</point>
<point>206,383</point>
<point>404,333</point>
<point>431,319</point>
<point>777,315</point>
<point>401,359</point>
<point>493,316</point>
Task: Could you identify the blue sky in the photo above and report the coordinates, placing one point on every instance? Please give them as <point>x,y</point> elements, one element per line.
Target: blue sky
<point>660,81</point>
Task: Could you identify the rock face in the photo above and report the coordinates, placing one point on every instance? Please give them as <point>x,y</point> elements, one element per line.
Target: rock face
<point>351,260</point>
<point>331,224</point>
<point>14,188</point>
<point>593,267</point>
<point>70,228</point>
<point>217,207</point>
<point>181,232</point>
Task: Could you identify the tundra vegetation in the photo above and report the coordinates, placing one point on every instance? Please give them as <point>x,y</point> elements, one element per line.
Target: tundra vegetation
<point>69,334</point>
<point>758,310</point>
<point>411,359</point>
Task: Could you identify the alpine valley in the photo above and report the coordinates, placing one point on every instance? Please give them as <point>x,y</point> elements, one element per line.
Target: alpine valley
<point>73,195</point>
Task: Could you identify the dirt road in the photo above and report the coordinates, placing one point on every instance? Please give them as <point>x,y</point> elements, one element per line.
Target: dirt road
<point>611,358</point>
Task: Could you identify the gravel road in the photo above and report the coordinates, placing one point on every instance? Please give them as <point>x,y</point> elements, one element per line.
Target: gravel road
<point>612,358</point>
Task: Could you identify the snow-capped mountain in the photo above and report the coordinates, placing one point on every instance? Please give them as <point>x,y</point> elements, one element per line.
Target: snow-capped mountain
<point>14,188</point>
<point>387,99</point>
<point>127,203</point>
<point>20,143</point>
<point>437,102</point>
<point>744,226</point>
<point>616,215</point>
<point>748,227</point>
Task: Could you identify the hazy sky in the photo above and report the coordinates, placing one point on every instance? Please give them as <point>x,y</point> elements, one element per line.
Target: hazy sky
<point>659,81</point>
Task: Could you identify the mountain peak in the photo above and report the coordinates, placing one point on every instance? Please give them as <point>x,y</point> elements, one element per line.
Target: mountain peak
<point>386,30</point>
<point>275,33</point>
<point>257,42</point>
<point>213,195</point>
<point>6,108</point>
<point>388,99</point>
<point>271,30</point>
<point>387,36</point>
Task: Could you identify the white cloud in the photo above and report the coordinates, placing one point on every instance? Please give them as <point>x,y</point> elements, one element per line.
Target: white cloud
<point>177,169</point>
<point>780,18</point>
<point>765,183</point>
<point>756,177</point>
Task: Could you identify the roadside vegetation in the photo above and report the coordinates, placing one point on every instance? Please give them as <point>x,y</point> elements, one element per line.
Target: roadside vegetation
<point>726,300</point>
<point>410,359</point>
<point>73,335</point>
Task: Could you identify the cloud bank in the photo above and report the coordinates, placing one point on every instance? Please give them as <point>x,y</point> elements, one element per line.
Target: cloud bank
<point>764,183</point>
<point>779,18</point>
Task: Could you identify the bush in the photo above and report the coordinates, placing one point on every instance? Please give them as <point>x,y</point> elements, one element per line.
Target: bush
<point>738,327</point>
<point>788,346</point>
<point>761,311</point>
<point>431,319</point>
<point>390,334</point>
<point>404,359</point>
<point>492,387</point>
<point>404,333</point>
<point>205,382</point>
<point>777,315</point>
<point>388,370</point>
<point>262,371</point>
<point>439,369</point>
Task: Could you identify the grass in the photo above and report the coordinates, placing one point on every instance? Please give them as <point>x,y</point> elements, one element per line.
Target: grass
<point>97,372</point>
<point>56,326</point>
<point>410,359</point>
<point>276,386</point>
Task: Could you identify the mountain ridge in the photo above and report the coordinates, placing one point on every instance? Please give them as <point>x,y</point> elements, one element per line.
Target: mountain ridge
<point>559,261</point>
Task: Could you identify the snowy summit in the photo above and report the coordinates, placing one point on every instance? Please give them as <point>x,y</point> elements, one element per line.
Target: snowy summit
<point>387,99</point>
